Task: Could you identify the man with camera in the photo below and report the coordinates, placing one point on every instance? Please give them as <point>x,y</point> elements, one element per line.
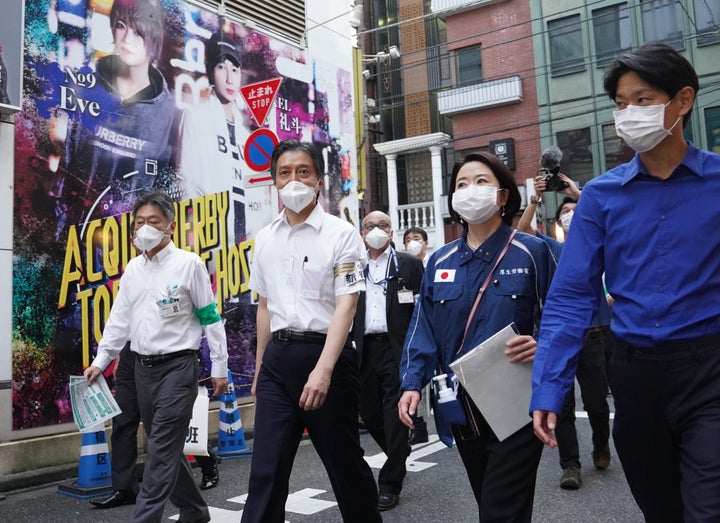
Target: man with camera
<point>591,372</point>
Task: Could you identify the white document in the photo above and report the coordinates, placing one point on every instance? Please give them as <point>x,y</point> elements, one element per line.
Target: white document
<point>91,404</point>
<point>500,389</point>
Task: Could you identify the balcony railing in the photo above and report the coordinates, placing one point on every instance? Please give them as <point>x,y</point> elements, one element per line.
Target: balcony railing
<point>416,215</point>
<point>458,6</point>
<point>480,96</point>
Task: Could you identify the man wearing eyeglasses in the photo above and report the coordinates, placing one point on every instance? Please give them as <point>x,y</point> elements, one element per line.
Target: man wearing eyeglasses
<point>382,317</point>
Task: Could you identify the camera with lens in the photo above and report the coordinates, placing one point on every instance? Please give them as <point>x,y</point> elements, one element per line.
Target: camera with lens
<point>552,181</point>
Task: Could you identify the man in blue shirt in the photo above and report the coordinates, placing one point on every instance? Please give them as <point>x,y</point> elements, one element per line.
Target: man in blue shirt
<point>591,373</point>
<point>651,226</point>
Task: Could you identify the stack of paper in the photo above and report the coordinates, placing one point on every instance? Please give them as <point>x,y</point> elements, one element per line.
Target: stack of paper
<point>500,389</point>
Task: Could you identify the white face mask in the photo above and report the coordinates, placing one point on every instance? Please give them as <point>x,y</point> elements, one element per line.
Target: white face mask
<point>476,203</point>
<point>377,238</point>
<point>565,220</point>
<point>296,195</point>
<point>642,127</point>
<point>414,247</point>
<point>148,237</point>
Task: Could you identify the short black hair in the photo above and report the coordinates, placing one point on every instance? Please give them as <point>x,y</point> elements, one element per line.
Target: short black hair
<point>416,230</point>
<point>308,148</point>
<point>657,63</point>
<point>160,200</point>
<point>504,178</point>
<point>565,201</point>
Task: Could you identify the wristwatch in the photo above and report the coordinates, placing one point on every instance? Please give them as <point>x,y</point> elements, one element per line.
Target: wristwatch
<point>534,200</point>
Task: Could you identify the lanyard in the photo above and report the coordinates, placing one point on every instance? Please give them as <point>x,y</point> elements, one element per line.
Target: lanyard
<point>383,282</point>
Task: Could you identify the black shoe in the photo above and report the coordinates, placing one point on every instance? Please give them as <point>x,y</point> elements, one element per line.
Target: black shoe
<point>210,478</point>
<point>116,499</point>
<point>601,457</point>
<point>387,500</point>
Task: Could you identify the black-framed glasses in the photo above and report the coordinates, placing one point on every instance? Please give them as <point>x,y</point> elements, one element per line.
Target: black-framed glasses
<point>370,226</point>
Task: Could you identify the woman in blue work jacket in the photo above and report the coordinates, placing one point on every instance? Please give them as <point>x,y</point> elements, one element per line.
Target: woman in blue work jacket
<point>484,199</point>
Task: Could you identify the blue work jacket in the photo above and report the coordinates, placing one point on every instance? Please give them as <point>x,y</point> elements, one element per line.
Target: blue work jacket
<point>453,276</point>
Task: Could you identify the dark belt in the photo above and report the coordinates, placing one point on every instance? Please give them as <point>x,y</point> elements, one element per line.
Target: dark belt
<point>302,337</point>
<point>676,350</point>
<point>377,336</point>
<point>599,328</point>
<point>159,359</point>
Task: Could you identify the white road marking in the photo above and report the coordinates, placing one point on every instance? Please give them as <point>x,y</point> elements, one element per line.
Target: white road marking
<point>420,450</point>
<point>301,502</point>
<point>305,501</point>
<point>583,414</point>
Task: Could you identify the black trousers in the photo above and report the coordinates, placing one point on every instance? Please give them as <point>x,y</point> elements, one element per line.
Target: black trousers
<point>502,473</point>
<point>592,378</point>
<point>379,396</point>
<point>333,430</point>
<point>123,439</point>
<point>667,428</point>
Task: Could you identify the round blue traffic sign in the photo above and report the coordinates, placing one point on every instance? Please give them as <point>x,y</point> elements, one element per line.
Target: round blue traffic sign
<point>259,148</point>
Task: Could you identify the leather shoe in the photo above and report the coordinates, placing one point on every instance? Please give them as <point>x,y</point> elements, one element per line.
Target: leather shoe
<point>387,500</point>
<point>601,457</point>
<point>117,499</point>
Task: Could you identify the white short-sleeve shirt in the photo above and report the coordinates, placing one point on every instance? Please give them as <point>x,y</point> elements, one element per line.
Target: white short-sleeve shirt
<point>301,269</point>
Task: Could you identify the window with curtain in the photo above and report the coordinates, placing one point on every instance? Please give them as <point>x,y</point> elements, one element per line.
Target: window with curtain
<point>611,28</point>
<point>566,45</point>
<point>662,20</point>
<point>469,65</point>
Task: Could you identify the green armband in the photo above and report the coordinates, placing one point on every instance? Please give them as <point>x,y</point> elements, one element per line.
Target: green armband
<point>208,314</point>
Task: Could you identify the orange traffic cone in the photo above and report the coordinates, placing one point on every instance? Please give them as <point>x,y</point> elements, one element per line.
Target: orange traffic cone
<point>231,438</point>
<point>94,471</point>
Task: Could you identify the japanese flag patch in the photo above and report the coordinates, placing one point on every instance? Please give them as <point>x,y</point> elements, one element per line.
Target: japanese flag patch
<point>444,275</point>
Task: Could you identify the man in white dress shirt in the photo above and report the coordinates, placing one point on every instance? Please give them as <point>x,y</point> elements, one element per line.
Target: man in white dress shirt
<point>307,270</point>
<point>164,302</point>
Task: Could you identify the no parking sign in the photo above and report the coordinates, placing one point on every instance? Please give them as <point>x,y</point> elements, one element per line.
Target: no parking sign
<point>259,148</point>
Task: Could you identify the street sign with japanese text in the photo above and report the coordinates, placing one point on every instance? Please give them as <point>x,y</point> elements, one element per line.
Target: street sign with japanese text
<point>260,96</point>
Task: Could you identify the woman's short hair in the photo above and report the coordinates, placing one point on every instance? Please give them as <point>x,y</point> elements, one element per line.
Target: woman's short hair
<point>504,178</point>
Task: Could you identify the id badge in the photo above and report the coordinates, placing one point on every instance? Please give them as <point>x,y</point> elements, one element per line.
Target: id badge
<point>168,308</point>
<point>405,296</point>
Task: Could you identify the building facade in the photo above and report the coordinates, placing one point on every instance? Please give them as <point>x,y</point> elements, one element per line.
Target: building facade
<point>574,41</point>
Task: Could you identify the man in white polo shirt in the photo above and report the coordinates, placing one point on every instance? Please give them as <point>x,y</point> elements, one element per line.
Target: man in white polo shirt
<point>307,270</point>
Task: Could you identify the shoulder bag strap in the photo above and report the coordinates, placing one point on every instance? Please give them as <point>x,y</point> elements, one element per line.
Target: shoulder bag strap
<point>482,289</point>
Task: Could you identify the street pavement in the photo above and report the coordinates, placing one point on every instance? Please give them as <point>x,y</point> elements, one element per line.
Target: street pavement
<point>436,489</point>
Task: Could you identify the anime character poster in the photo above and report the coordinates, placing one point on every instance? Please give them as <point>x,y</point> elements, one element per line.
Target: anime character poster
<point>125,96</point>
